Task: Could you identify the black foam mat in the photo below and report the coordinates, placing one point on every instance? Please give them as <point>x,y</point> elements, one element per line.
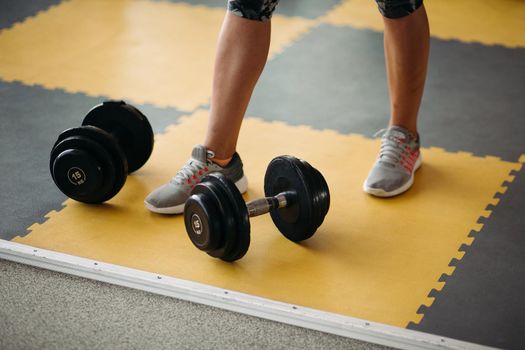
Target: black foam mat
<point>334,77</point>
<point>303,8</point>
<point>482,301</point>
<point>31,119</point>
<point>12,11</point>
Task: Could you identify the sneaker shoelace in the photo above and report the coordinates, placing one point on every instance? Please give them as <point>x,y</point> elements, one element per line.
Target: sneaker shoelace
<point>393,150</point>
<point>192,168</point>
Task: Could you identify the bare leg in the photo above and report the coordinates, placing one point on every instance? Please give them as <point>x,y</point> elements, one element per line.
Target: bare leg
<point>406,55</point>
<point>241,55</point>
<point>406,44</point>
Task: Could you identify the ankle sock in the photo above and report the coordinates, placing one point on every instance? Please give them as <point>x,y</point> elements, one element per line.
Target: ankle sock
<point>222,162</point>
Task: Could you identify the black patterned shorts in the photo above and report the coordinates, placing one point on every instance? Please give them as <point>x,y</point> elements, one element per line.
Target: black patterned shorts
<point>259,10</point>
<point>398,8</point>
<point>262,10</point>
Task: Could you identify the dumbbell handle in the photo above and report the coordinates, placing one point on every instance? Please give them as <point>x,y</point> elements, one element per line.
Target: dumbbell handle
<point>262,206</point>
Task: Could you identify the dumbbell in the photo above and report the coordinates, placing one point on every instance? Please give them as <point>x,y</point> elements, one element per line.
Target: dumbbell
<point>217,218</point>
<point>90,163</point>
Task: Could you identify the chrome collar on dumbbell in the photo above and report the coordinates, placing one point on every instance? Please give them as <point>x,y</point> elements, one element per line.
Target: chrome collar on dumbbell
<point>262,206</point>
<point>217,218</point>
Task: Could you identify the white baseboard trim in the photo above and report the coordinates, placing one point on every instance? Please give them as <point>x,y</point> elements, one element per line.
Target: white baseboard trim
<point>346,326</point>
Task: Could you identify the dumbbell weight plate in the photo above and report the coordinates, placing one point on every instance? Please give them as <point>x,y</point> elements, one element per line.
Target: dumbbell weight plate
<point>217,207</point>
<point>300,219</point>
<point>319,190</point>
<point>203,218</point>
<point>229,234</point>
<point>241,240</point>
<point>129,125</point>
<point>87,165</point>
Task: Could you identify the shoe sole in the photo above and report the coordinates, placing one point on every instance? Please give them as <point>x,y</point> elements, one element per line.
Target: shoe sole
<point>382,193</point>
<point>242,186</point>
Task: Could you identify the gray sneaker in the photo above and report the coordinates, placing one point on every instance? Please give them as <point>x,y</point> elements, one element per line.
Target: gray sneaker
<point>170,198</point>
<point>398,160</point>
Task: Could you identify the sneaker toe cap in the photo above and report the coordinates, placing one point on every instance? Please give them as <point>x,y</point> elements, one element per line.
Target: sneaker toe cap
<point>166,196</point>
<point>386,179</point>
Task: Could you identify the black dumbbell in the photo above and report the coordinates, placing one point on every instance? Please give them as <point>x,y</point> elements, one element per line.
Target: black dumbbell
<point>217,218</point>
<point>90,163</point>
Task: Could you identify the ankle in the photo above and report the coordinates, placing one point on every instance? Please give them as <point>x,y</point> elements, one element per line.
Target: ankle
<point>411,129</point>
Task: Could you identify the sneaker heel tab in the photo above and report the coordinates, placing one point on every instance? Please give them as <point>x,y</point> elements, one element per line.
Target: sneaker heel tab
<point>236,157</point>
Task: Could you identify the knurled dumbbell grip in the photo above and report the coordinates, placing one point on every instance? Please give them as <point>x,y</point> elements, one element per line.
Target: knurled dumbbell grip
<point>262,206</point>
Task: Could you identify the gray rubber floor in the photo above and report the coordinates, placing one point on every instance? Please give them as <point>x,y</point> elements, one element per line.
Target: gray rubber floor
<point>12,11</point>
<point>41,309</point>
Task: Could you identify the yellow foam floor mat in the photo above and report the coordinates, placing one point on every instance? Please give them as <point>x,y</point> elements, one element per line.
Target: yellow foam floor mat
<point>376,259</point>
<point>146,51</point>
<point>162,53</point>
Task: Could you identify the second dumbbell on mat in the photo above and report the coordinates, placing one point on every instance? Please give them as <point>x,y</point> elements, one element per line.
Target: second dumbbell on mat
<point>90,163</point>
<point>217,218</point>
